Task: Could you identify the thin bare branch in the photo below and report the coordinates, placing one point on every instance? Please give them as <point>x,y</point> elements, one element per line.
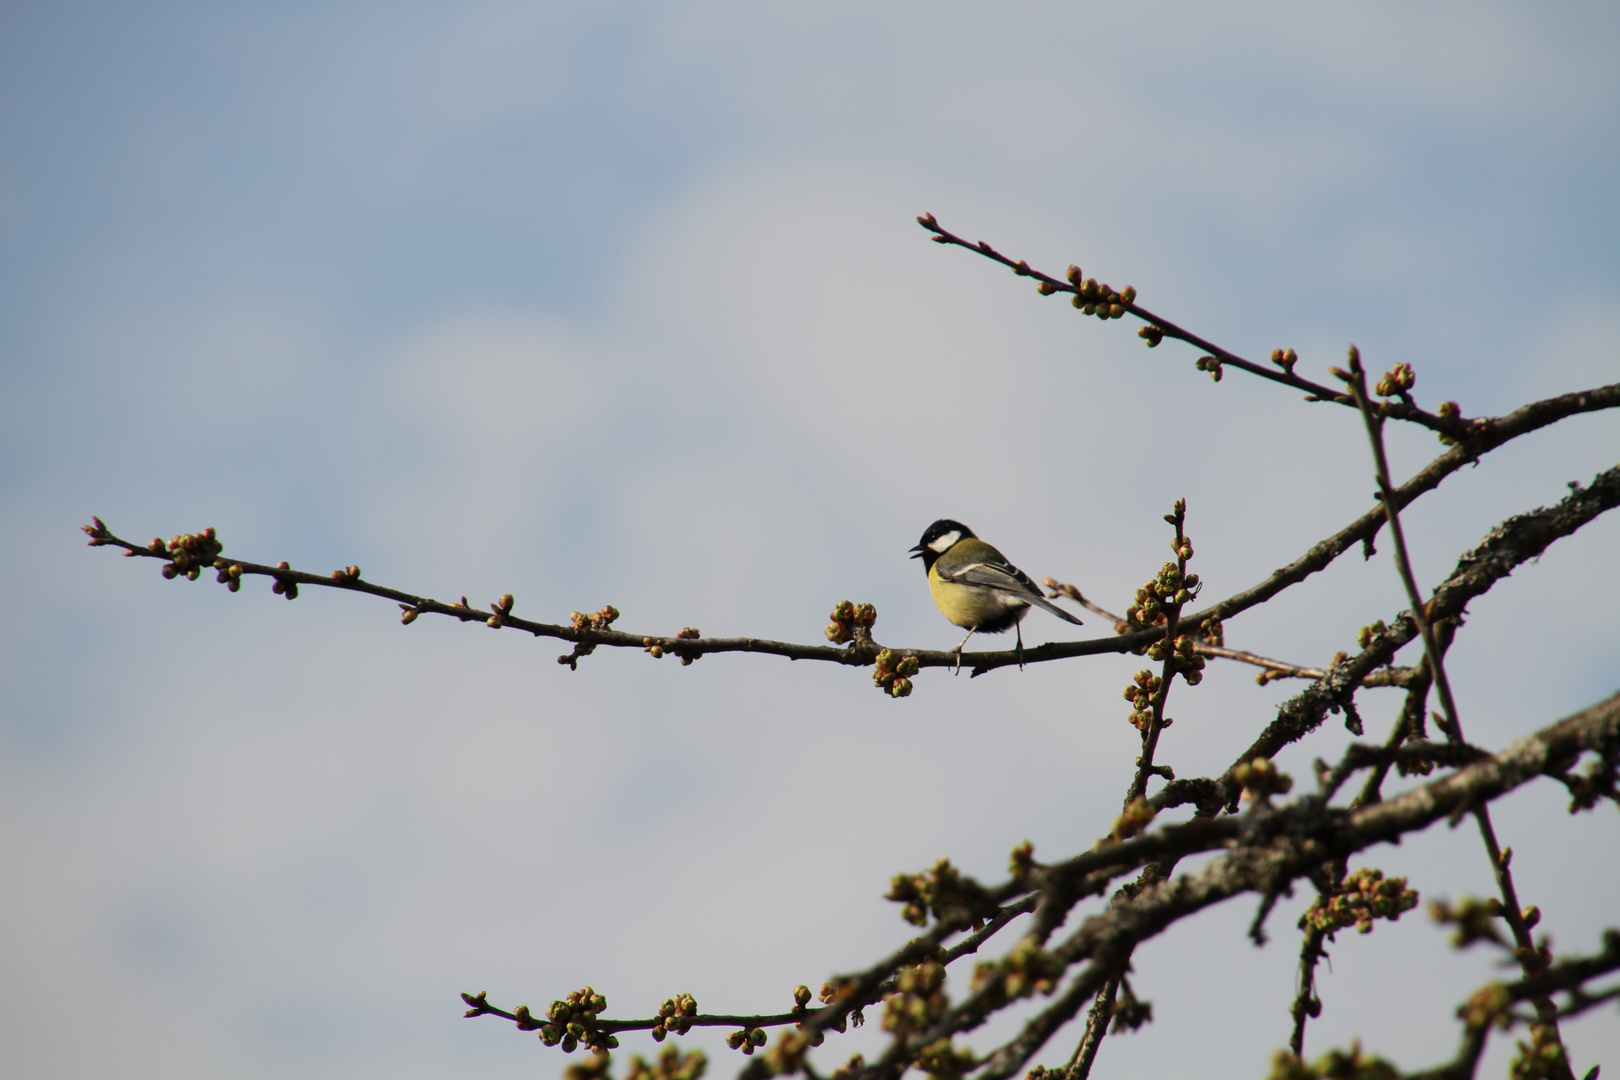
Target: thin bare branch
<point>1282,371</point>
<point>1485,435</point>
<point>1531,959</point>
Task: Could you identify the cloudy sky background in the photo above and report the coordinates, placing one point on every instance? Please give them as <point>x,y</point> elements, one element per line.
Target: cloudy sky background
<point>604,303</point>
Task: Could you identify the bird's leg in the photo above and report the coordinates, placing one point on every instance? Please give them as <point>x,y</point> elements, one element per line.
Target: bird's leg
<point>1020,628</point>
<point>958,670</point>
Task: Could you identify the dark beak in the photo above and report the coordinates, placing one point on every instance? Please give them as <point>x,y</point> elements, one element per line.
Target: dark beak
<point>916,552</point>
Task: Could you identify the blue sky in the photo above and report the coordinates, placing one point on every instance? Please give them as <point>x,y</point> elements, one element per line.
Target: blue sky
<point>609,303</point>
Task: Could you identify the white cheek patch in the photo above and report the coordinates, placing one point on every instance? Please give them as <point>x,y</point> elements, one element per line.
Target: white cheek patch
<point>944,543</point>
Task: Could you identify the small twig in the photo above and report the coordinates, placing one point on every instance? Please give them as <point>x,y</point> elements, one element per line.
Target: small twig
<point>1281,669</point>
<point>1064,589</point>
<point>1170,666</point>
<point>1306,1003</point>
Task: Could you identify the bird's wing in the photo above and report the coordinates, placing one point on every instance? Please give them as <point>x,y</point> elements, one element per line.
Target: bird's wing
<point>1003,577</point>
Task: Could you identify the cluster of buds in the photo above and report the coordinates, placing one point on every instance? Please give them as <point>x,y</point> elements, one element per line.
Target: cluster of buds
<point>1140,693</point>
<point>893,675</point>
<point>855,1064</point>
<point>656,650</point>
<point>1152,335</point>
<point>1449,410</point>
<point>675,1015</point>
<point>596,620</point>
<point>1097,299</point>
<point>837,991</point>
<point>786,1056</point>
<point>943,891</point>
<point>1172,586</point>
<point>686,633</point>
<point>1021,860</point>
<point>919,999</point>
<point>572,1021</point>
<point>596,1067</point>
<point>1369,634</point>
<point>1027,969</point>
<point>1183,549</point>
<point>1211,364</point>
<point>230,575</point>
<point>346,576</point>
<point>747,1040</point>
<point>1364,895</point>
<point>1333,1065</point>
<point>190,552</point>
<point>286,586</point>
<point>848,619</point>
<point>599,620</point>
<point>671,1065</point>
<point>1397,381</point>
<point>1487,1005</point>
<point>1182,657</point>
<point>1136,817</point>
<point>1285,359</point>
<point>943,1059</point>
<point>1473,919</point>
<point>1542,1057</point>
<point>98,532</point>
<point>1260,779</point>
<point>503,611</point>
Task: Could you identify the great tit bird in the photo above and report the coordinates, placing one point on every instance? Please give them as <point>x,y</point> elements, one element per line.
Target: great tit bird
<point>975,586</point>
